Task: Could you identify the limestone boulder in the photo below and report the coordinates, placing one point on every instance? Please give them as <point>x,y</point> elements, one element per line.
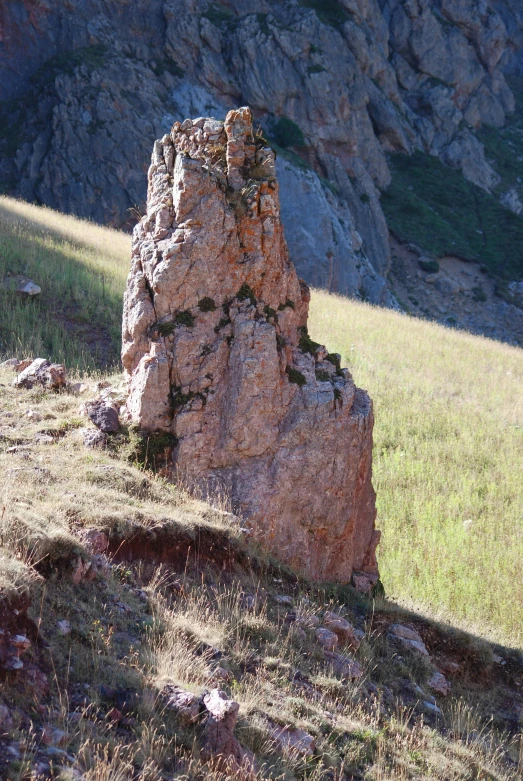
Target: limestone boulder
<point>217,353</point>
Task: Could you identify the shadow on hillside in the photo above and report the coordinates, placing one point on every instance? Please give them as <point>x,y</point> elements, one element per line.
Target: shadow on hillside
<point>77,317</point>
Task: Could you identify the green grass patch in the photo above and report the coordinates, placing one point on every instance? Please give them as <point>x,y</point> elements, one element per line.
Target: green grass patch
<point>448,458</point>
<point>435,207</point>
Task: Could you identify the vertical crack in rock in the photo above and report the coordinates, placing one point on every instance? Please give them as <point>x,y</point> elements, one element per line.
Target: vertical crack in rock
<point>222,359</point>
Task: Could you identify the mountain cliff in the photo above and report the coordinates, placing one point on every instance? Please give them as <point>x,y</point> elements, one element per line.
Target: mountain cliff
<point>341,88</point>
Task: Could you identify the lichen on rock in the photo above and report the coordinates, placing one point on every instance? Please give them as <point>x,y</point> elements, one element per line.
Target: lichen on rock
<point>293,456</point>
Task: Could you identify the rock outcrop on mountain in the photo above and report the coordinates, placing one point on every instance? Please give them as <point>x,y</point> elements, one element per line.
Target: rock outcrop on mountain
<point>217,353</point>
<point>338,85</point>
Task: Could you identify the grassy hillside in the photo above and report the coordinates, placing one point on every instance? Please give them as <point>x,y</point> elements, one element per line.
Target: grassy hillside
<point>180,598</point>
<point>81,269</point>
<point>448,459</point>
<point>449,413</point>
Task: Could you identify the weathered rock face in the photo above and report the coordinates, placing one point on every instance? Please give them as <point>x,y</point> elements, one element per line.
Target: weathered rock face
<point>86,86</point>
<point>216,349</point>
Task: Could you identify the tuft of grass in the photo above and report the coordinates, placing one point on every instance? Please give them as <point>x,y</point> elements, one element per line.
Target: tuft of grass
<point>306,344</point>
<point>246,293</point>
<point>295,376</point>
<point>448,456</point>
<point>206,304</point>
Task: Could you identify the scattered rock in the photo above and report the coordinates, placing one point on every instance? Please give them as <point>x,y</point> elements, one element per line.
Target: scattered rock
<point>449,666</point>
<point>93,438</point>
<point>114,715</point>
<point>78,388</point>
<point>511,200</point>
<point>79,569</point>
<point>447,286</point>
<point>432,708</point>
<point>344,666</point>
<point>44,439</point>
<point>185,704</point>
<point>327,639</point>
<point>221,674</point>
<point>22,286</point>
<point>342,628</point>
<point>409,638</point>
<point>292,740</point>
<point>311,621</point>
<point>41,372</point>
<point>52,736</point>
<point>64,627</point>
<point>283,600</point>
<point>364,582</point>
<point>439,684</point>
<point>95,540</point>
<point>103,416</point>
<point>11,363</point>
<point>6,721</point>
<point>219,746</point>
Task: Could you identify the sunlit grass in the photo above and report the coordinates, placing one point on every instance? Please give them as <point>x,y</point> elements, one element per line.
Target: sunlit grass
<point>81,269</point>
<point>448,459</point>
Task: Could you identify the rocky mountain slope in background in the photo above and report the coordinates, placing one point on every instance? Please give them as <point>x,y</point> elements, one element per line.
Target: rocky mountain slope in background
<point>342,88</point>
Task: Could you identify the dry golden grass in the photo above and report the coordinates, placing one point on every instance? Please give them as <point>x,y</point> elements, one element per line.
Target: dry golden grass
<point>106,242</point>
<point>448,460</point>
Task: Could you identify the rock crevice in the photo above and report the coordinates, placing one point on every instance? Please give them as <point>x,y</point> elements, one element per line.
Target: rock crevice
<point>216,349</point>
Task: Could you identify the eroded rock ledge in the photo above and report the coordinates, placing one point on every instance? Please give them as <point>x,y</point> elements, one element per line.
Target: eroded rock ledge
<point>217,353</point>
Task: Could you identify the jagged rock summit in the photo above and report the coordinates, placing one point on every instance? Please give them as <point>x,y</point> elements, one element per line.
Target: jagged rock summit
<point>217,353</point>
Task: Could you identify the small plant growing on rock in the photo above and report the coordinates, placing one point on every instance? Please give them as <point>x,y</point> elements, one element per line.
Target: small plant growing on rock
<point>288,303</point>
<point>269,312</point>
<point>185,318</point>
<point>306,344</point>
<point>149,450</point>
<point>206,304</point>
<point>295,376</point>
<point>246,292</point>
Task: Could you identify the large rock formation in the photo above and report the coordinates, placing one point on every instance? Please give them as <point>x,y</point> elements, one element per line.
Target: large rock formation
<point>216,350</point>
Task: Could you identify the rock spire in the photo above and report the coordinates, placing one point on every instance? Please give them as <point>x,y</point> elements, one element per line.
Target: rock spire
<point>217,353</point>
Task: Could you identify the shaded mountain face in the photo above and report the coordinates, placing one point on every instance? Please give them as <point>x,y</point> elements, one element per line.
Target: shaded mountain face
<point>338,86</point>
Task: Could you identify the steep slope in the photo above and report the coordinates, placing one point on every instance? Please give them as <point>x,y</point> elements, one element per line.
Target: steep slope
<point>336,85</point>
<point>130,610</point>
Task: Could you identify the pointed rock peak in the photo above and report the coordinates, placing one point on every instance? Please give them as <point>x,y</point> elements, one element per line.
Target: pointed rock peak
<point>217,354</point>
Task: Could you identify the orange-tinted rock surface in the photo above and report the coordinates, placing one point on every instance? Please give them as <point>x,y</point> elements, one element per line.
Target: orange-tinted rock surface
<point>216,350</point>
